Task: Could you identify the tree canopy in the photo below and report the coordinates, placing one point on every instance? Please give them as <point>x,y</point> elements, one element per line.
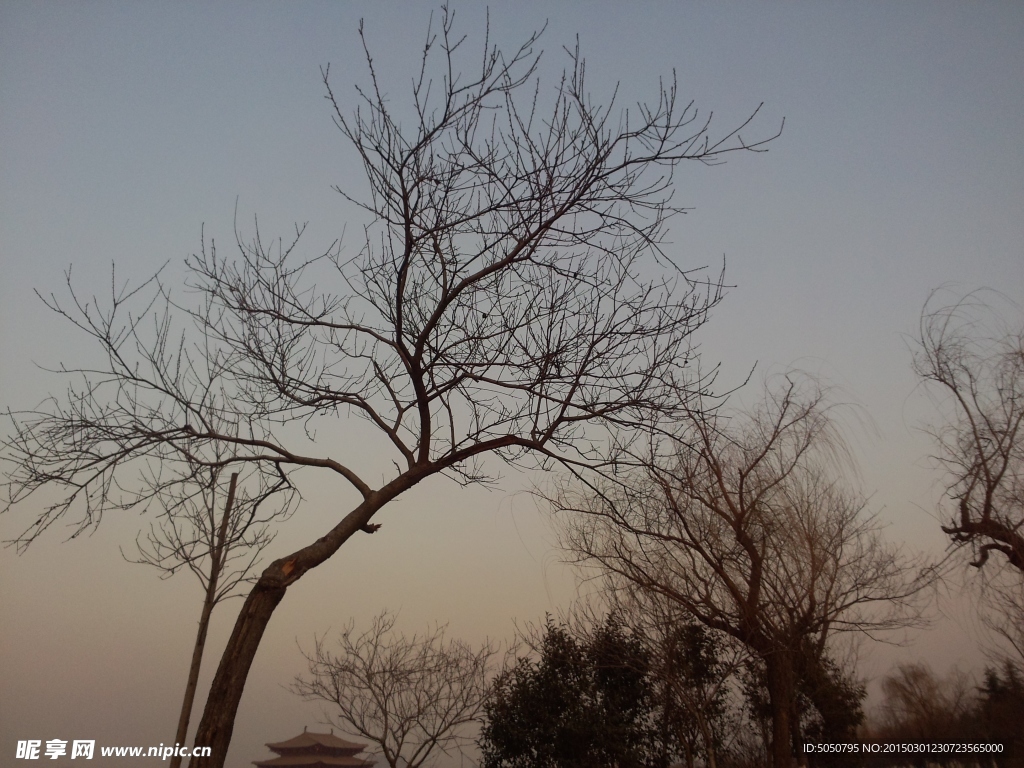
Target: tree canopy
<point>580,703</point>
<point>511,297</point>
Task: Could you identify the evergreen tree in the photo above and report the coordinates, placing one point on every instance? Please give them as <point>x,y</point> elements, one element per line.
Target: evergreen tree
<point>832,702</point>
<point>696,707</point>
<point>583,702</point>
<point>1001,713</point>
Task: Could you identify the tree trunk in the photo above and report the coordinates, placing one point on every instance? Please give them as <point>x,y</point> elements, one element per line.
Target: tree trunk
<point>217,559</point>
<point>218,721</point>
<point>193,680</point>
<point>801,757</point>
<point>781,692</point>
<point>709,741</point>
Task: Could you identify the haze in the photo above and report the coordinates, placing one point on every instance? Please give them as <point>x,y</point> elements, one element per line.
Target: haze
<point>127,127</point>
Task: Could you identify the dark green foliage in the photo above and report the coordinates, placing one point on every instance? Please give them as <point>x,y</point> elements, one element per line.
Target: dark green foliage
<point>583,703</point>
<point>757,703</point>
<point>836,700</point>
<point>829,702</point>
<point>1000,713</point>
<point>694,707</point>
<point>695,662</point>
<point>832,703</point>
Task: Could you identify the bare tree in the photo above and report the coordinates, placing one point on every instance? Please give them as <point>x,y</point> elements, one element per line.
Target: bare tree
<point>409,696</point>
<point>86,445</point>
<point>222,554</point>
<point>922,707</point>
<point>973,358</point>
<point>748,526</point>
<point>1001,609</point>
<point>511,299</point>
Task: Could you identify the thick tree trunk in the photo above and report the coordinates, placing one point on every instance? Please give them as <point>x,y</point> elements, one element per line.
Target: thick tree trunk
<point>218,721</point>
<point>217,559</point>
<point>217,725</point>
<point>781,692</point>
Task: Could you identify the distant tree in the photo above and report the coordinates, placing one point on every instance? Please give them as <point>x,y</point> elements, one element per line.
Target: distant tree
<point>748,525</point>
<point>214,532</point>
<point>921,707</point>
<point>408,696</point>
<point>512,298</point>
<point>1001,714</point>
<point>580,703</point>
<point>1001,609</point>
<point>972,357</point>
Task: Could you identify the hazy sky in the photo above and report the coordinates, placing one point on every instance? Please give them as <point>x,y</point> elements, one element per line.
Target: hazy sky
<point>125,127</point>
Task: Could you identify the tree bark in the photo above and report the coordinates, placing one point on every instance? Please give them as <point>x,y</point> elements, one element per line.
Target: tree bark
<point>218,722</point>
<point>216,566</point>
<point>781,692</point>
<point>217,725</point>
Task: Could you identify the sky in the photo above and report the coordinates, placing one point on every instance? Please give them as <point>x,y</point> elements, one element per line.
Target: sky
<point>129,129</point>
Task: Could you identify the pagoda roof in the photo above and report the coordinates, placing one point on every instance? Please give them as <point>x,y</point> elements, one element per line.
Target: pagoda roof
<point>315,750</point>
<point>308,739</point>
<point>314,761</point>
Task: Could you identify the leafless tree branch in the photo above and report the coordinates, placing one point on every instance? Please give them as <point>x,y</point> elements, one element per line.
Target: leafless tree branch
<point>748,525</point>
<point>409,696</point>
<point>512,297</point>
<point>972,358</point>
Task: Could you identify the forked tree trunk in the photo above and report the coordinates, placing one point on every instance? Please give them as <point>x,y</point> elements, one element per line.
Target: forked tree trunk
<point>218,721</point>
<point>217,558</point>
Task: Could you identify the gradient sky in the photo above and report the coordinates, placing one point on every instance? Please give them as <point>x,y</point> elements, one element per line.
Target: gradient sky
<point>125,127</point>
